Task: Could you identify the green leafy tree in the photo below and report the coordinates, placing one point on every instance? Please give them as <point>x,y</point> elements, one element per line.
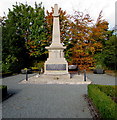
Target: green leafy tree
<point>107,58</point>
<point>13,52</point>
<point>110,53</point>
<point>35,35</point>
<point>23,36</point>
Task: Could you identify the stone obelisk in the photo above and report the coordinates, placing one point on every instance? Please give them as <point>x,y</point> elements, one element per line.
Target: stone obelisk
<point>56,64</point>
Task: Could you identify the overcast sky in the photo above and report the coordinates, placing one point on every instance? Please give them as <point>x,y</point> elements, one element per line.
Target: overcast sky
<point>93,7</point>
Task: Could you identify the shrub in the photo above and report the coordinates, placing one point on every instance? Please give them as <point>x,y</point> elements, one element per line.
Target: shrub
<point>34,68</point>
<point>11,65</point>
<point>39,65</point>
<point>104,103</point>
<point>5,68</point>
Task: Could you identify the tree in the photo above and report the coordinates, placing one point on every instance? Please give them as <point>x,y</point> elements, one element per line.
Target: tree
<point>108,57</point>
<point>110,53</point>
<point>99,32</point>
<point>23,36</point>
<point>86,38</point>
<point>13,52</point>
<point>81,45</point>
<point>35,35</point>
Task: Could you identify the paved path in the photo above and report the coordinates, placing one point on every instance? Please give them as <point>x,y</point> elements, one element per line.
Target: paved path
<point>44,101</point>
<point>102,79</point>
<point>48,101</point>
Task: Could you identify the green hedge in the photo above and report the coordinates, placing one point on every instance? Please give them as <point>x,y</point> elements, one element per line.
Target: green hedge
<point>104,103</point>
<point>109,90</point>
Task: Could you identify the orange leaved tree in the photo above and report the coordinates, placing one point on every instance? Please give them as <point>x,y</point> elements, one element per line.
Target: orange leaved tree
<point>86,39</point>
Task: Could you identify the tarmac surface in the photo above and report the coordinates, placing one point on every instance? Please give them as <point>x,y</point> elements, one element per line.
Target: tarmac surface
<point>102,79</point>
<point>48,100</point>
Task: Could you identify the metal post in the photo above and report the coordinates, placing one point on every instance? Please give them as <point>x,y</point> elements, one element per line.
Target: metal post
<point>70,76</point>
<point>78,72</point>
<point>78,69</point>
<point>26,75</point>
<point>84,75</point>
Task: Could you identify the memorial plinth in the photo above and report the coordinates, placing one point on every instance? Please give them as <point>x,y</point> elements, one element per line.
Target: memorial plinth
<point>56,64</point>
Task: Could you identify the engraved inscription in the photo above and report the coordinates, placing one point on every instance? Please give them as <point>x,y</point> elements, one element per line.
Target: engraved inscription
<point>56,67</point>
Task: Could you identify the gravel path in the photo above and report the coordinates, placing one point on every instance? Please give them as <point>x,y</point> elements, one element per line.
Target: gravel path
<point>48,100</point>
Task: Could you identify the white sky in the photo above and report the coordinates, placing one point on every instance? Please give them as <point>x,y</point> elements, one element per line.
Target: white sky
<point>93,7</point>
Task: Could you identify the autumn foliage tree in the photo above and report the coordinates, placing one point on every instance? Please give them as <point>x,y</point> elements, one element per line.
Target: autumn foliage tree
<point>86,38</point>
<point>80,42</point>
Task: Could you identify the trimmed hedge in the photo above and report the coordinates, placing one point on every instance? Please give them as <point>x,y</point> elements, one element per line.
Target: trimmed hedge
<point>109,90</point>
<point>105,105</point>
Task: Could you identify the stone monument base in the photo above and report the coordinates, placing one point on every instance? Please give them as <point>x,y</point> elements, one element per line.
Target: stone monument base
<point>56,76</point>
<point>54,79</point>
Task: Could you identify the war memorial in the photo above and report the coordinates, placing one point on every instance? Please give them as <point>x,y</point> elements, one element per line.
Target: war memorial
<point>56,66</point>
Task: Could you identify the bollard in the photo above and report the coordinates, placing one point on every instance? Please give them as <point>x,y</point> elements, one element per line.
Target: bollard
<point>78,72</point>
<point>70,76</point>
<point>26,75</point>
<point>84,75</point>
